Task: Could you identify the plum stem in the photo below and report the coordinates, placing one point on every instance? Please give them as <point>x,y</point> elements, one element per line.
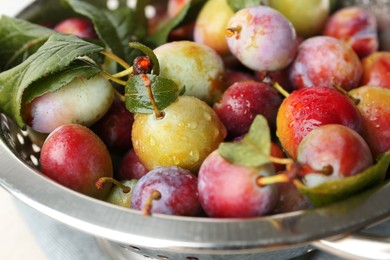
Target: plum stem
<point>233,31</point>
<point>285,161</point>
<point>110,77</point>
<point>264,181</point>
<point>148,84</point>
<point>101,181</point>
<point>114,57</point>
<point>342,90</point>
<point>123,73</point>
<point>147,210</point>
<point>280,89</point>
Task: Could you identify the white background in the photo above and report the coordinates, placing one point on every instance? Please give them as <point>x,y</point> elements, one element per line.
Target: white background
<point>16,239</point>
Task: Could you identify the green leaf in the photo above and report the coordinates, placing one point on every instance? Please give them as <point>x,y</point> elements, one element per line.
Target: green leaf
<point>253,150</point>
<point>129,27</point>
<point>161,36</point>
<point>19,39</point>
<point>55,55</point>
<point>48,12</point>
<point>58,80</point>
<point>336,190</point>
<point>103,24</point>
<point>137,100</point>
<point>148,52</point>
<point>241,4</point>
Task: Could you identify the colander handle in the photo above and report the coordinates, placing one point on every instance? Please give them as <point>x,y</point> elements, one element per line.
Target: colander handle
<point>357,246</point>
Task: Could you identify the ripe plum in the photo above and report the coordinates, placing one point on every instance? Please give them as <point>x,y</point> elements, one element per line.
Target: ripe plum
<point>336,147</point>
<point>261,38</point>
<point>188,132</point>
<point>376,70</point>
<point>83,101</point>
<point>308,108</point>
<point>374,106</point>
<point>178,192</point>
<point>230,191</point>
<point>75,157</point>
<point>355,26</point>
<point>115,127</point>
<point>308,17</point>
<point>210,25</point>
<point>325,61</point>
<point>78,26</point>
<point>242,101</point>
<point>195,66</point>
<point>131,167</point>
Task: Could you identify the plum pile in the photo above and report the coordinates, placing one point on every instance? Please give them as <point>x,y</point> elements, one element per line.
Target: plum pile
<point>215,108</point>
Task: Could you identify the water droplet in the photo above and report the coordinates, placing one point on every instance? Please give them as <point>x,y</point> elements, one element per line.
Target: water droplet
<point>192,125</point>
<point>207,116</point>
<point>176,161</point>
<point>194,155</point>
<point>152,141</point>
<point>215,132</point>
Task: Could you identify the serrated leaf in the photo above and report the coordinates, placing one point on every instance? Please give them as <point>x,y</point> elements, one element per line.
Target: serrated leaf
<point>58,80</point>
<point>48,12</point>
<point>102,24</point>
<point>336,190</point>
<point>19,39</point>
<point>253,150</point>
<point>241,4</point>
<point>137,100</point>
<point>129,26</point>
<point>55,55</point>
<point>161,36</point>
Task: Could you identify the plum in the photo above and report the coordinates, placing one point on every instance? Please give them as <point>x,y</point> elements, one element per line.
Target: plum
<point>196,66</point>
<point>325,61</point>
<point>261,38</point>
<point>82,101</point>
<point>355,26</point>
<point>308,108</point>
<point>114,128</point>
<point>130,167</point>
<point>336,147</point>
<point>74,156</point>
<point>242,101</point>
<point>374,106</point>
<point>188,132</point>
<point>78,26</point>
<point>376,70</point>
<point>177,188</point>
<point>210,25</point>
<point>308,17</point>
<point>230,191</point>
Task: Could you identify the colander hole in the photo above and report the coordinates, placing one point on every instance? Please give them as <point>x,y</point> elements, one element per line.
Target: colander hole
<point>192,258</point>
<point>150,11</point>
<point>135,248</point>
<point>162,257</point>
<point>131,3</point>
<point>20,138</point>
<point>112,4</point>
<point>36,148</point>
<point>146,256</point>
<point>34,160</point>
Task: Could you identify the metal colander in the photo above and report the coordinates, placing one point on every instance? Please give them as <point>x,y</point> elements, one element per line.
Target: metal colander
<point>123,232</point>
